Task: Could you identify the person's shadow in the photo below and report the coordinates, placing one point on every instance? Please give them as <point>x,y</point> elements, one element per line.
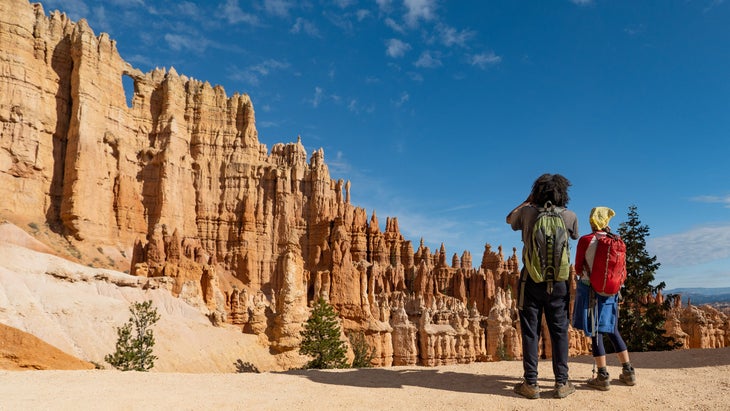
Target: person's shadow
<point>430,378</point>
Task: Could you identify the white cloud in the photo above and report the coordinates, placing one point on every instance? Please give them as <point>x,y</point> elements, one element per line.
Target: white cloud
<point>318,96</point>
<point>253,74</point>
<point>713,274</point>
<point>362,14</point>
<point>343,4</point>
<point>394,25</point>
<point>384,5</point>
<point>484,60</point>
<point>396,48</point>
<point>179,42</point>
<point>426,60</point>
<point>403,99</point>
<point>278,7</point>
<point>634,30</point>
<point>702,244</point>
<point>127,3</point>
<point>141,60</point>
<point>234,14</point>
<point>188,8</point>
<point>306,26</point>
<point>338,166</point>
<point>582,2</point>
<point>417,10</point>
<point>450,36</point>
<point>725,200</point>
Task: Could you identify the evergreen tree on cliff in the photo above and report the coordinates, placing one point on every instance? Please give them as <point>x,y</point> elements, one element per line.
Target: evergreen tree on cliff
<point>321,338</point>
<point>135,340</point>
<point>641,319</point>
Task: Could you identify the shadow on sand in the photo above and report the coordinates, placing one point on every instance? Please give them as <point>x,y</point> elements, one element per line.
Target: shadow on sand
<point>430,378</point>
<point>438,379</point>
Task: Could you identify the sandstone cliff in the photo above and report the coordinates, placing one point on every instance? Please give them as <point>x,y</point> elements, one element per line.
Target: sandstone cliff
<point>177,187</point>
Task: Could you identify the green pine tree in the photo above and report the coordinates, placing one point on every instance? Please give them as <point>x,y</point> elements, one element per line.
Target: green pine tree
<point>135,340</point>
<point>363,353</point>
<point>321,338</point>
<point>641,320</point>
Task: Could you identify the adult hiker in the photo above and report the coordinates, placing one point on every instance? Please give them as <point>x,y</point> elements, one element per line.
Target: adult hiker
<point>546,227</point>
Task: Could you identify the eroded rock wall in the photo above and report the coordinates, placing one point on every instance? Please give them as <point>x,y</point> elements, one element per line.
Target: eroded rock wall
<point>179,181</point>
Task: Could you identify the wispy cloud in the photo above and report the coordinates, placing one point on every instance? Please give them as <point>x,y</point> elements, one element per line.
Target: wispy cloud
<point>305,26</point>
<point>389,22</point>
<point>318,96</point>
<point>396,48</point>
<point>362,14</point>
<point>402,99</point>
<point>339,166</point>
<point>427,60</point>
<point>340,20</point>
<point>343,4</point>
<point>703,244</point>
<point>484,60</point>
<point>634,29</point>
<point>278,8</point>
<point>187,8</point>
<point>128,3</point>
<point>712,5</point>
<point>253,74</point>
<point>417,10</point>
<point>713,274</point>
<point>180,42</point>
<point>449,36</point>
<point>75,9</point>
<point>101,20</point>
<point>582,2</point>
<point>384,5</point>
<point>234,15</point>
<point>724,200</point>
<point>141,60</point>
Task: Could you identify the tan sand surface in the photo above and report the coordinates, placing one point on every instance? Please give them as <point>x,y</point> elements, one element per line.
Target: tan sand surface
<point>681,380</point>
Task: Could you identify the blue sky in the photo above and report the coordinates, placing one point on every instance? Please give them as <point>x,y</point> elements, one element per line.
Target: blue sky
<point>443,113</point>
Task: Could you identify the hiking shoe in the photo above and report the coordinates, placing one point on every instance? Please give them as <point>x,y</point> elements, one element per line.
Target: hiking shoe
<point>564,389</point>
<point>529,391</point>
<point>628,377</point>
<point>600,382</point>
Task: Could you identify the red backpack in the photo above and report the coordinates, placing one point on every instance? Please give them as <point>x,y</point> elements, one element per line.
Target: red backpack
<point>609,265</point>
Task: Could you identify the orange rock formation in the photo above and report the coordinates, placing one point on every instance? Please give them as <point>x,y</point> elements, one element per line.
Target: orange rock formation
<point>178,186</point>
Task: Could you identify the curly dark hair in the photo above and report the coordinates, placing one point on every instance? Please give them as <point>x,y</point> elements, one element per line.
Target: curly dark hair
<point>550,187</point>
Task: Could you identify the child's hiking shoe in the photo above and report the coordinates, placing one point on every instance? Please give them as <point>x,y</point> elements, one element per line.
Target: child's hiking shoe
<point>564,389</point>
<point>600,382</point>
<point>529,391</point>
<point>628,377</point>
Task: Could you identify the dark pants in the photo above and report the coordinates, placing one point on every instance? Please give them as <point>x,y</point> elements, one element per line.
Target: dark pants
<point>555,306</point>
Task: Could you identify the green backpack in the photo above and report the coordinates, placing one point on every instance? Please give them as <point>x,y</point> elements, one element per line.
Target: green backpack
<point>548,254</point>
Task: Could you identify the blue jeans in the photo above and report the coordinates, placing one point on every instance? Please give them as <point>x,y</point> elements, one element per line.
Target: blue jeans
<point>555,307</point>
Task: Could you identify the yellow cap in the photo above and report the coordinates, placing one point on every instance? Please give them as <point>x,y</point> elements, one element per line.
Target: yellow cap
<point>600,216</point>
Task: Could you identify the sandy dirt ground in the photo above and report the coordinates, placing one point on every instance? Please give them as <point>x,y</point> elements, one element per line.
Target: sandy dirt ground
<point>682,380</point>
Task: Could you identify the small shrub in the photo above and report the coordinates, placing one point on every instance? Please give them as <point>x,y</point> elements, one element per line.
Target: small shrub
<point>363,353</point>
<point>134,352</point>
<point>33,226</point>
